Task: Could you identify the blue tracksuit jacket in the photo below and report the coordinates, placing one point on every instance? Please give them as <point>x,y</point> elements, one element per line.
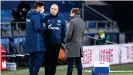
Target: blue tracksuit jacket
<point>56,28</point>
<point>34,32</point>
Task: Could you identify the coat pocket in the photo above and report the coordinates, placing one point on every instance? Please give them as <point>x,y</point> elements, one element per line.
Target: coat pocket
<point>68,45</point>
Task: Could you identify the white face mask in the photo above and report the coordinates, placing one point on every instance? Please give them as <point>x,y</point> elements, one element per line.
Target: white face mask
<point>102,35</point>
<point>42,11</point>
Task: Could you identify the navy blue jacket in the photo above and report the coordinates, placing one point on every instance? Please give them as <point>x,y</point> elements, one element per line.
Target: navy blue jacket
<point>56,28</point>
<point>34,32</point>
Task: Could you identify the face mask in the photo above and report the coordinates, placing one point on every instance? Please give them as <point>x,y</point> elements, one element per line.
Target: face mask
<point>42,11</point>
<point>102,36</point>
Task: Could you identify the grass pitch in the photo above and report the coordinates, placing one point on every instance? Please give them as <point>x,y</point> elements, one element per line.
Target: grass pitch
<point>62,69</point>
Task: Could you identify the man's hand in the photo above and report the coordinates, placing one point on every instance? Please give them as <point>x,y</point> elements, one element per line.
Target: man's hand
<point>43,24</point>
<point>63,46</point>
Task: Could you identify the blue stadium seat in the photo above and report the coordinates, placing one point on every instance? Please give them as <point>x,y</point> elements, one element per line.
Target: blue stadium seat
<point>1,18</point>
<point>18,44</point>
<point>5,27</point>
<point>23,39</point>
<point>9,12</point>
<point>2,42</point>
<point>3,15</point>
<point>101,25</point>
<point>92,24</point>
<point>6,15</point>
<point>5,42</point>
<point>2,12</point>
<point>16,41</point>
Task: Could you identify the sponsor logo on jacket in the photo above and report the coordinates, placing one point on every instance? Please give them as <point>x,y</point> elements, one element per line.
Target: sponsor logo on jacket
<point>53,28</point>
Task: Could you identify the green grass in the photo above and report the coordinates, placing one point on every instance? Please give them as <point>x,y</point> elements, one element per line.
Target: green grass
<point>122,67</point>
<point>61,70</point>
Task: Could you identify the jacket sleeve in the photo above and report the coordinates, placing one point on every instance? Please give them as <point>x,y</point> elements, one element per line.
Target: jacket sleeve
<point>38,23</point>
<point>63,32</point>
<point>44,21</point>
<point>69,32</point>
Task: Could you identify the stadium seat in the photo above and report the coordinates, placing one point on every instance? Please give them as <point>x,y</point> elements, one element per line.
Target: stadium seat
<point>92,24</point>
<point>18,44</point>
<point>16,41</point>
<point>6,15</point>
<point>2,12</point>
<point>4,42</point>
<point>9,15</point>
<point>22,39</point>
<point>101,25</point>
<point>5,27</point>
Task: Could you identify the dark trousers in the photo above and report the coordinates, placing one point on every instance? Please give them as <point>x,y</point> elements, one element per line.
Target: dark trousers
<point>52,54</point>
<point>70,62</point>
<point>35,62</point>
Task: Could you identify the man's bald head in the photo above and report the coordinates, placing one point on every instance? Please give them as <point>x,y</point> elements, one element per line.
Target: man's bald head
<point>54,9</point>
<point>54,6</point>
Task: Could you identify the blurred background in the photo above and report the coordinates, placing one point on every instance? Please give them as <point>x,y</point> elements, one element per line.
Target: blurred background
<point>113,17</point>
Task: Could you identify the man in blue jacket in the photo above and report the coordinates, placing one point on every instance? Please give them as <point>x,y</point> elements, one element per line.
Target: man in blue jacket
<point>34,44</point>
<point>55,34</point>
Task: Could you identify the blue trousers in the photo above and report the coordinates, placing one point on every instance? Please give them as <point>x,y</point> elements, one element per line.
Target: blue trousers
<point>70,62</point>
<point>35,62</point>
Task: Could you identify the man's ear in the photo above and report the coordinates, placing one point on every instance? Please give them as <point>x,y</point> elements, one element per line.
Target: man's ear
<point>74,13</point>
<point>58,8</point>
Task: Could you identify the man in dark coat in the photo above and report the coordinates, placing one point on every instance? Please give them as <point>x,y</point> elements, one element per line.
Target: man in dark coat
<point>34,44</point>
<point>74,41</point>
<point>56,32</point>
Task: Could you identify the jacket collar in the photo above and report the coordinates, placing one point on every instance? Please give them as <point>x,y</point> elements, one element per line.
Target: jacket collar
<point>75,16</point>
<point>53,16</point>
<point>36,11</point>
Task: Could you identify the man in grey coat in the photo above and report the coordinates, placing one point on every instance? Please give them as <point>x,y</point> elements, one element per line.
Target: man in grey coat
<point>73,41</point>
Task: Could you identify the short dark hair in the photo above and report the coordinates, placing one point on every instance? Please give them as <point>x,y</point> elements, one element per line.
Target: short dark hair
<point>38,4</point>
<point>75,10</point>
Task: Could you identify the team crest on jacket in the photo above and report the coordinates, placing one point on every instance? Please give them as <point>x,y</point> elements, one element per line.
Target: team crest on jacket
<point>59,21</point>
<point>48,20</point>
